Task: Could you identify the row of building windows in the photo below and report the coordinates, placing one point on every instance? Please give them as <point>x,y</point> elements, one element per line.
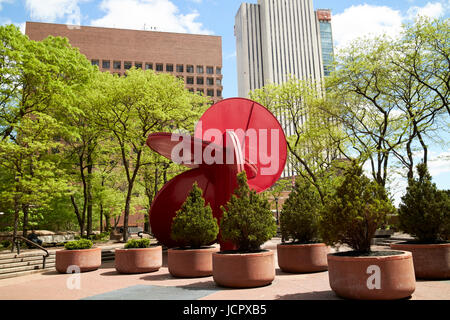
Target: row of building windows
<point>180,68</point>
<point>209,92</point>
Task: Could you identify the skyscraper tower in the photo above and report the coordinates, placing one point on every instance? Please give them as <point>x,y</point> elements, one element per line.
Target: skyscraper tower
<point>279,38</point>
<point>326,39</point>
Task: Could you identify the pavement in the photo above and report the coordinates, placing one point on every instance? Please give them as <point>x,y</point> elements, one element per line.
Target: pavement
<point>106,284</point>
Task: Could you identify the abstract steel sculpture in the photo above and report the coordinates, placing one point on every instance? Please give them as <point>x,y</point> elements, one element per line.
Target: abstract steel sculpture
<point>232,136</point>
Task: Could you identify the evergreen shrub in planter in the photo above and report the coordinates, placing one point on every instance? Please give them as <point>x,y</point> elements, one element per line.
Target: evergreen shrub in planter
<point>299,221</point>
<point>425,214</point>
<point>195,229</point>
<point>351,216</point>
<point>248,222</point>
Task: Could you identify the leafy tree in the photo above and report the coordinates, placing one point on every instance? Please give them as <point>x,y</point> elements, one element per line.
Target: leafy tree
<point>132,107</point>
<point>247,220</point>
<point>315,140</point>
<point>194,224</point>
<point>355,211</point>
<point>425,210</point>
<point>37,80</point>
<point>300,215</point>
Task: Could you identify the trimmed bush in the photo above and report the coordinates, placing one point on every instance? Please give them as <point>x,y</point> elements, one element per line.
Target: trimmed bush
<point>299,219</point>
<point>247,220</point>
<point>137,243</point>
<point>425,211</point>
<point>353,213</point>
<point>194,224</point>
<point>78,244</point>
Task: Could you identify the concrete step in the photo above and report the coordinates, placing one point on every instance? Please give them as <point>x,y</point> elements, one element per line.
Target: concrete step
<point>26,268</point>
<point>6,256</point>
<point>25,273</point>
<point>25,259</point>
<point>27,263</point>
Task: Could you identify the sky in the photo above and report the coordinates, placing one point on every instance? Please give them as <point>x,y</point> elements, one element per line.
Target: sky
<point>351,19</point>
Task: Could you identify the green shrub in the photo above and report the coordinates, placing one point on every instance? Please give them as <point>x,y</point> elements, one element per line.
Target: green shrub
<point>352,214</point>
<point>194,224</point>
<point>247,220</point>
<point>78,244</point>
<point>300,214</point>
<point>137,243</point>
<point>425,211</point>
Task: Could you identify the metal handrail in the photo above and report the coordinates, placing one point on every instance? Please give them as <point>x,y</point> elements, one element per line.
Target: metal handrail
<point>140,233</point>
<point>15,240</point>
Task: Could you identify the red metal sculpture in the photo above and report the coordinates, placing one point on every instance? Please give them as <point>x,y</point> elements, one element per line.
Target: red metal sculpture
<point>232,136</point>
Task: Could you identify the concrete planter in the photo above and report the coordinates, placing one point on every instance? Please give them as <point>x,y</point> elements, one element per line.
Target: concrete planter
<point>302,258</point>
<point>85,259</point>
<point>431,261</point>
<point>190,263</point>
<point>244,270</point>
<point>140,260</point>
<point>372,278</point>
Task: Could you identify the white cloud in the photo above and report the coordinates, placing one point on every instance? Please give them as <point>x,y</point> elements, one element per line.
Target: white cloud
<point>371,20</point>
<point>52,10</point>
<point>432,10</point>
<point>162,14</point>
<point>439,164</point>
<point>365,20</point>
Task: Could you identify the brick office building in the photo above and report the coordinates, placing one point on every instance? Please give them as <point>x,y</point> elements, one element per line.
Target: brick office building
<point>195,58</point>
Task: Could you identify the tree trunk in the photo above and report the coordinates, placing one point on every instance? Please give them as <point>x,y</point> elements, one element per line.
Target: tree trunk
<point>25,210</point>
<point>16,222</point>
<point>89,190</point>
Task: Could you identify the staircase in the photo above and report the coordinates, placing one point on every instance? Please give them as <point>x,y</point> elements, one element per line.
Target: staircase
<point>14,265</point>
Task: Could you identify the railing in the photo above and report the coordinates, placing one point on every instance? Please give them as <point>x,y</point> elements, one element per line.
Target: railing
<point>140,233</point>
<point>16,241</point>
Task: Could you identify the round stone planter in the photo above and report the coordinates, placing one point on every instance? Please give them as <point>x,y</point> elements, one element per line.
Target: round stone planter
<point>431,261</point>
<point>243,270</point>
<point>85,259</point>
<point>302,258</point>
<point>190,263</point>
<point>372,278</point>
<point>139,260</point>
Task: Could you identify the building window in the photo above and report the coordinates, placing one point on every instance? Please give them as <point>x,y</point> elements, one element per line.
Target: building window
<point>200,80</point>
<point>117,65</point>
<point>209,70</point>
<point>189,80</point>
<point>219,82</point>
<point>95,62</point>
<point>149,66</point>
<point>191,90</point>
<point>106,64</point>
<point>199,69</point>
<point>200,91</point>
<point>218,70</point>
<point>127,65</point>
<point>138,65</point>
<point>210,92</point>
<point>159,67</point>
<point>190,69</point>
<point>180,78</point>
<point>219,93</point>
<point>169,67</point>
<point>180,68</point>
<point>210,81</point>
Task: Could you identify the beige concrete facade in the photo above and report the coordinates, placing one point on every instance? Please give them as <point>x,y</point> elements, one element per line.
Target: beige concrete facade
<point>195,58</point>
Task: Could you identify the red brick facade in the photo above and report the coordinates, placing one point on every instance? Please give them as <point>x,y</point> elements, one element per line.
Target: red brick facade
<point>195,58</point>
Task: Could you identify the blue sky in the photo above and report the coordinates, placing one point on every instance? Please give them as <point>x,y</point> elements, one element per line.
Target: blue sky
<point>351,18</point>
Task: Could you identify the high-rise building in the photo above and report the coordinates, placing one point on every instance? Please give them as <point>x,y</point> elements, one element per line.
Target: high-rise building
<point>326,39</point>
<point>279,38</point>
<point>276,39</point>
<point>197,59</point>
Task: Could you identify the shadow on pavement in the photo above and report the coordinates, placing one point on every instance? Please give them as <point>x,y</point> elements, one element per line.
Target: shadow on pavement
<point>314,295</point>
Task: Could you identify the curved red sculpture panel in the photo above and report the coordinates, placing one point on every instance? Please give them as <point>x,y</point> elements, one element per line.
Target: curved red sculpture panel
<point>233,135</point>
